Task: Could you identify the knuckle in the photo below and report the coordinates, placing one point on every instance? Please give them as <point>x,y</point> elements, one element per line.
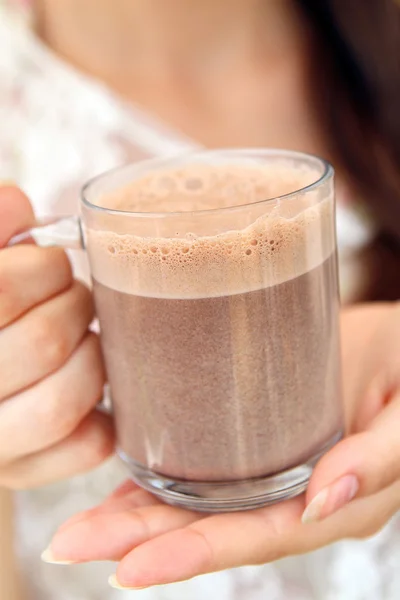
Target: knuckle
<point>92,366</point>
<point>9,307</point>
<point>51,343</point>
<point>8,302</point>
<point>59,414</point>
<point>62,411</point>
<point>83,295</point>
<point>98,442</point>
<point>95,359</point>
<point>55,260</point>
<point>54,420</point>
<point>4,275</point>
<point>100,449</point>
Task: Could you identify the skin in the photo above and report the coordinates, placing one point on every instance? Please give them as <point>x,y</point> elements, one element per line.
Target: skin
<point>223,72</point>
<point>42,307</point>
<point>197,72</point>
<point>156,544</point>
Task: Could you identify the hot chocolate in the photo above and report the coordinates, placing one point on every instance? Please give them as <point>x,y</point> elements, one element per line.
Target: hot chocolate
<point>222,349</point>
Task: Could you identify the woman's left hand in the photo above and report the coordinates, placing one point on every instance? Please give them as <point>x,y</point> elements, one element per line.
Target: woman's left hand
<point>353,492</point>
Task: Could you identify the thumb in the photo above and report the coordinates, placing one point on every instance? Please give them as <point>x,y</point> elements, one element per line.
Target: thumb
<point>360,465</point>
<point>16,213</point>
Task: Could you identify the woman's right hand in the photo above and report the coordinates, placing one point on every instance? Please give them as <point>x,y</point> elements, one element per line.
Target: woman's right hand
<point>51,369</point>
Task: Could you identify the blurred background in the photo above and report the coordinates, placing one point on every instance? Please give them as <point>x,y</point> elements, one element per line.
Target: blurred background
<point>86,85</point>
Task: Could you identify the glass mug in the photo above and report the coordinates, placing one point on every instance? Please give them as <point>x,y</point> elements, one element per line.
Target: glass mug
<point>215,283</point>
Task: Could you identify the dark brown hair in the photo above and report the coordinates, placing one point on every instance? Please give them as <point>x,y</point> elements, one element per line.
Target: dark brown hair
<point>357,89</point>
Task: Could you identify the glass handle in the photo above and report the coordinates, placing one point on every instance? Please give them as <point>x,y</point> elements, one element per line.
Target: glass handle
<point>65,232</point>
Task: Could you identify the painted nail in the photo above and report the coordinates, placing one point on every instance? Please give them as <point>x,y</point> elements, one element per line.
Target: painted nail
<point>48,557</point>
<point>113,582</point>
<point>331,499</point>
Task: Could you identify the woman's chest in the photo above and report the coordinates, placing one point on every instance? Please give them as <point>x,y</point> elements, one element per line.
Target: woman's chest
<point>247,106</point>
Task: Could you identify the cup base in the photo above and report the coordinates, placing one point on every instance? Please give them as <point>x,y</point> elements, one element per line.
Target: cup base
<point>227,496</point>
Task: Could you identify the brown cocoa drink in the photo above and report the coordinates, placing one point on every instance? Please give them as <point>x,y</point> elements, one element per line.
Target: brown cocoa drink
<point>222,349</point>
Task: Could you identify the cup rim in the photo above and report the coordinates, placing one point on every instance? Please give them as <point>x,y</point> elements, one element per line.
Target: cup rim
<point>327,173</point>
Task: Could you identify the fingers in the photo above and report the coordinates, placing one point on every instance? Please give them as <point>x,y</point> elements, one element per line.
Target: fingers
<point>42,340</point>
<point>110,535</point>
<point>52,374</point>
<point>362,518</point>
<point>16,213</point>
<point>29,276</point>
<point>212,544</point>
<point>174,551</point>
<point>359,325</point>
<point>256,537</point>
<point>87,447</point>
<point>43,415</point>
<point>360,465</point>
<point>369,461</point>
<point>171,544</point>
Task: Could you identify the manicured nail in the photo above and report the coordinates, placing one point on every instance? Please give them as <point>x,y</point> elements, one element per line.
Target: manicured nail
<point>48,557</point>
<point>331,499</point>
<point>113,582</point>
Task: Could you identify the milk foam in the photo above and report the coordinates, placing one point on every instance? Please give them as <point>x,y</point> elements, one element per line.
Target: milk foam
<point>276,247</point>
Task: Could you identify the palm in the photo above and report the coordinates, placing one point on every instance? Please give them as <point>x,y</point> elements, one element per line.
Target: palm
<point>166,543</point>
<point>156,543</point>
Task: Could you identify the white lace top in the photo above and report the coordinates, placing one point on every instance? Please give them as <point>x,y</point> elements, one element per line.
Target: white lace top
<point>58,128</point>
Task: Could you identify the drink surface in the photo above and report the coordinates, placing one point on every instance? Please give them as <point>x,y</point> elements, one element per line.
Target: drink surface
<point>221,349</point>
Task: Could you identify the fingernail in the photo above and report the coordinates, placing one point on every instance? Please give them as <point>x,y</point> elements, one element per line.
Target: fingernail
<point>48,557</point>
<point>331,499</point>
<point>113,582</point>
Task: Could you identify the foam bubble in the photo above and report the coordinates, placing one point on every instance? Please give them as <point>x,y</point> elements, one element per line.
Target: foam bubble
<point>274,248</point>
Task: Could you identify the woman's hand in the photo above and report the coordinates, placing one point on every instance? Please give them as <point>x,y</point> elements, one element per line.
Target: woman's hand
<point>51,370</point>
<point>155,543</point>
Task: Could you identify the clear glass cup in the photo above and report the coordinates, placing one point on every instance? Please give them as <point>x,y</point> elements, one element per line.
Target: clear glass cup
<point>215,282</point>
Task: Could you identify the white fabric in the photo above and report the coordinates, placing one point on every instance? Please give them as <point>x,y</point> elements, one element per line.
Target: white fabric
<point>58,128</point>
